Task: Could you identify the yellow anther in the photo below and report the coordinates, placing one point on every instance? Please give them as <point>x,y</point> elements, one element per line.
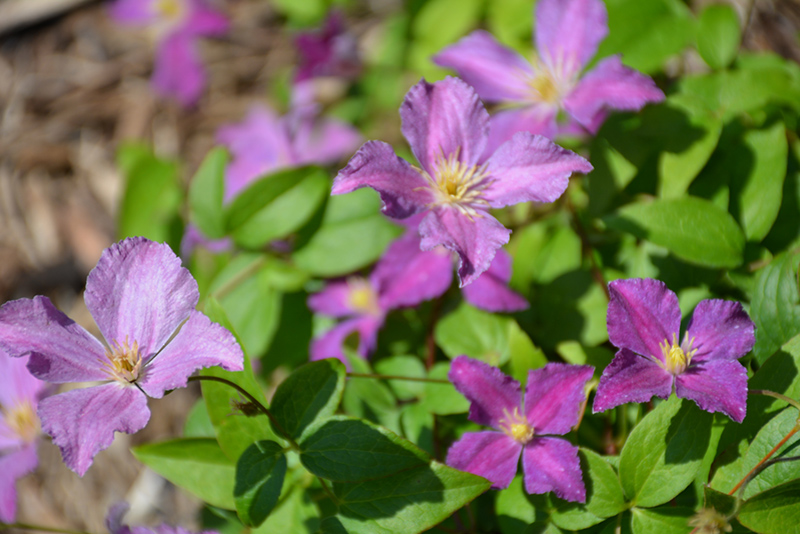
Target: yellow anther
<point>169,9</point>
<point>677,357</point>
<point>362,297</point>
<point>516,426</point>
<point>124,361</point>
<point>22,420</point>
<point>458,184</point>
<point>544,87</point>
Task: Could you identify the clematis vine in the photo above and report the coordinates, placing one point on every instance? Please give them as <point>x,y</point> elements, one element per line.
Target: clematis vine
<point>568,33</point>
<point>644,323</point>
<point>527,427</point>
<point>447,128</point>
<point>115,526</point>
<point>176,26</point>
<point>143,301</point>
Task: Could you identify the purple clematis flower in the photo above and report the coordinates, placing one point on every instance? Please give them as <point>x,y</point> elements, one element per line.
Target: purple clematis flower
<point>115,526</point>
<point>143,302</point>
<point>568,33</point>
<point>328,51</point>
<point>20,394</point>
<point>176,24</point>
<point>551,407</point>
<point>644,321</point>
<point>447,128</point>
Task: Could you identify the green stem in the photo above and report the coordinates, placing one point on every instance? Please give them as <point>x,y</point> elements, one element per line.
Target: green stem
<point>396,377</point>
<point>769,393</point>
<point>750,476</point>
<point>25,526</point>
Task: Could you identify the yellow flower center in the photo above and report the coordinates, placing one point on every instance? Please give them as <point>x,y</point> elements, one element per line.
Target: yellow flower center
<point>677,357</point>
<point>543,88</point>
<point>458,184</point>
<point>362,297</point>
<point>516,426</point>
<point>124,362</point>
<point>22,420</point>
<point>549,83</point>
<point>169,9</point>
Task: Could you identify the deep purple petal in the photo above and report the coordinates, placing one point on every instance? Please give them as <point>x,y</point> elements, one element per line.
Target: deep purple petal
<point>82,422</point>
<point>568,33</point>
<point>553,396</point>
<point>536,119</point>
<point>199,344</point>
<point>443,119</point>
<point>610,85</point>
<point>134,12</point>
<point>496,72</point>
<point>178,71</point>
<point>720,330</point>
<point>329,344</point>
<point>530,168</point>
<point>61,350</point>
<point>403,190</point>
<point>716,386</point>
<point>492,395</point>
<point>631,378</point>
<point>642,314</point>
<point>331,51</point>
<point>140,292</point>
<point>13,466</point>
<point>17,384</point>
<point>205,21</point>
<point>474,239</point>
<point>552,464</point>
<point>491,455</point>
<point>490,291</point>
<point>333,300</point>
<point>325,141</point>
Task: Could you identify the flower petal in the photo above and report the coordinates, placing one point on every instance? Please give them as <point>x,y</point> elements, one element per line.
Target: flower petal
<point>642,314</point>
<point>205,21</point>
<point>490,291</point>
<point>134,12</point>
<point>14,466</point>
<point>568,33</point>
<point>325,141</point>
<point>491,455</point>
<point>443,119</point>
<point>475,239</point>
<point>716,386</point>
<point>720,330</point>
<point>82,422</point>
<point>199,344</point>
<point>552,464</point>
<point>496,72</point>
<point>140,292</point>
<point>61,350</point>
<point>492,395</point>
<point>178,71</point>
<point>329,344</point>
<point>17,384</point>
<point>536,119</point>
<point>553,396</point>
<point>610,85</point>
<point>530,168</point>
<point>333,300</point>
<point>403,190</point>
<point>631,378</point>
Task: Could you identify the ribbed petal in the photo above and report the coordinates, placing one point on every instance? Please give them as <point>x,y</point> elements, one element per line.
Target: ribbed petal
<point>631,378</point>
<point>610,85</point>
<point>537,119</point>
<point>490,291</point>
<point>716,386</point>
<point>491,455</point>
<point>178,72</point>
<point>329,344</point>
<point>492,395</point>
<point>642,314</point>
<point>443,119</point>
<point>140,292</point>
<point>134,12</point>
<point>474,239</point>
<point>568,33</point>
<point>720,330</point>
<point>552,464</point>
<point>496,72</point>
<point>530,168</point>
<point>82,422</point>
<point>325,141</point>
<point>17,384</point>
<point>199,344</point>
<point>553,396</point>
<point>403,190</point>
<point>205,21</point>
<point>14,466</point>
<point>61,350</point>
<point>333,300</point>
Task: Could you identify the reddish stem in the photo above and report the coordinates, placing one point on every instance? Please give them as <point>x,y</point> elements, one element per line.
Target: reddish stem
<point>765,458</point>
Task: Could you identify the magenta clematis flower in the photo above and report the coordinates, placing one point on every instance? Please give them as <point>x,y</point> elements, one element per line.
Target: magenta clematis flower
<point>176,24</point>
<point>20,394</point>
<point>143,302</point>
<point>115,526</point>
<point>551,407</point>
<point>568,33</point>
<point>447,128</point>
<point>644,321</point>
<point>328,51</point>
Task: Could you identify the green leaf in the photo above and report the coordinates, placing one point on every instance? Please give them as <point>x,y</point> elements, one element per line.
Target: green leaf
<point>718,35</point>
<point>206,194</point>
<point>198,424</point>
<point>409,366</point>
<point>721,502</point>
<point>443,399</point>
<point>664,452</point>
<point>510,21</point>
<point>516,508</point>
<point>259,477</point>
<point>775,511</point>
<point>197,465</point>
<point>775,306</point>
<point>482,335</point>
<point>367,398</point>
<point>674,520</point>
<point>295,514</point>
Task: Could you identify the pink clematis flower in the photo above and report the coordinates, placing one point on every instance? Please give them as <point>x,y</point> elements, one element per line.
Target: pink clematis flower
<point>176,25</point>
<point>328,51</point>
<point>143,302</point>
<point>644,321</point>
<point>447,128</point>
<point>551,407</point>
<point>568,33</point>
<point>115,526</point>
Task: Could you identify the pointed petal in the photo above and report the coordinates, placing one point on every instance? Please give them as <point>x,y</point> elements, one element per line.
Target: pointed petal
<point>552,464</point>
<point>17,384</point>
<point>325,141</point>
<point>199,344</point>
<point>535,119</point>
<point>530,168</point>
<point>553,396</point>
<point>61,350</point>
<point>139,291</point>
<point>333,300</point>
<point>205,21</point>
<point>491,455</point>
<point>133,12</point>
<point>403,190</point>
<point>631,378</point>
<point>496,72</point>
<point>82,422</point>
<point>492,395</point>
<point>720,330</point>
<point>475,239</point>
<point>610,85</point>
<point>642,314</point>
<point>14,466</point>
<point>568,33</point>
<point>329,344</point>
<point>716,386</point>
<point>442,119</point>
<point>490,291</point>
<point>178,71</point>
<point>114,518</point>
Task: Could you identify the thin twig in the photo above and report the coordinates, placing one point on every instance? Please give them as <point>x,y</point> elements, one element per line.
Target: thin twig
<point>396,377</point>
<point>780,396</point>
<point>753,472</point>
